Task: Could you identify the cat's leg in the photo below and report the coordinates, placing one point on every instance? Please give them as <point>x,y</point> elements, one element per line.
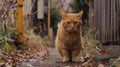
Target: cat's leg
<point>60,51</point>
<point>65,55</point>
<point>75,55</point>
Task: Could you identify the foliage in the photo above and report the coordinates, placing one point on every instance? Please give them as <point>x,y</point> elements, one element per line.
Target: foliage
<point>1,32</point>
<point>90,43</point>
<point>5,46</point>
<point>77,5</point>
<point>55,17</point>
<point>6,34</point>
<point>34,42</point>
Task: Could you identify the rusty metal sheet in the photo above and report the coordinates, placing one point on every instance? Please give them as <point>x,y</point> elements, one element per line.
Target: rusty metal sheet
<point>107,20</point>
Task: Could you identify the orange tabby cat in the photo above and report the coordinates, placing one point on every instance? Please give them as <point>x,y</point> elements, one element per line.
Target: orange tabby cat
<point>69,37</point>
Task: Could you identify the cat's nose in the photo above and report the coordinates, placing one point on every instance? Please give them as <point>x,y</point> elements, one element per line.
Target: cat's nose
<point>72,26</point>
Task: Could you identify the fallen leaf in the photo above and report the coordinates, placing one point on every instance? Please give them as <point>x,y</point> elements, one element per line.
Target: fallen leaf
<point>101,65</point>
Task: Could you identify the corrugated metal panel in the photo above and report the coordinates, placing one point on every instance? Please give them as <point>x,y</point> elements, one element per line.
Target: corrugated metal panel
<point>107,20</point>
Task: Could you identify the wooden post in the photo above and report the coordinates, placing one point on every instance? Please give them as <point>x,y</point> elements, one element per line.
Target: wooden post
<point>48,19</point>
<point>20,21</point>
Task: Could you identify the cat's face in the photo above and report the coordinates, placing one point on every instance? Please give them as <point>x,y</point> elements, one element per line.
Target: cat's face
<point>72,22</point>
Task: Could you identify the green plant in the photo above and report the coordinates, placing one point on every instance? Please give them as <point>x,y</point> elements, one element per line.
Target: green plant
<point>1,32</point>
<point>91,45</point>
<point>55,17</point>
<point>77,5</point>
<point>4,46</point>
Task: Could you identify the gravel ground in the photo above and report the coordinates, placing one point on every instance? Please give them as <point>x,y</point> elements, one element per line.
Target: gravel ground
<point>53,60</point>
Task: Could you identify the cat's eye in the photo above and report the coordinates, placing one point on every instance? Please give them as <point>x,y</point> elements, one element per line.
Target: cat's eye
<point>68,22</point>
<point>75,22</point>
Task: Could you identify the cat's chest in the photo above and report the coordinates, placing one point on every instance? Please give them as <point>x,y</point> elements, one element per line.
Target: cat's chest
<point>71,42</point>
<point>71,39</point>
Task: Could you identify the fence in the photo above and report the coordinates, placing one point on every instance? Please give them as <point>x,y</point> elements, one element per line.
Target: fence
<point>107,21</point>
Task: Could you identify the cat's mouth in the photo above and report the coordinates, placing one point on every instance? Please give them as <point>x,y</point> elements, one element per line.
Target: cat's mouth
<point>72,31</point>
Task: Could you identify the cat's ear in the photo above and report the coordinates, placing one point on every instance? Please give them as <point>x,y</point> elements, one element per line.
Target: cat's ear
<point>64,14</point>
<point>80,14</point>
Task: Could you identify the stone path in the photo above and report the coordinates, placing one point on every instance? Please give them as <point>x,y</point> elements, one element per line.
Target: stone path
<point>53,60</point>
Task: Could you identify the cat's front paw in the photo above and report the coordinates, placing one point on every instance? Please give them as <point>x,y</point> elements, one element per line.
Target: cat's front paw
<point>75,59</point>
<point>66,59</point>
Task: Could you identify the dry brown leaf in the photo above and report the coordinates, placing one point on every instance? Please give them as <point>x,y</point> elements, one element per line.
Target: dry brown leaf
<point>101,65</point>
<point>1,63</point>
